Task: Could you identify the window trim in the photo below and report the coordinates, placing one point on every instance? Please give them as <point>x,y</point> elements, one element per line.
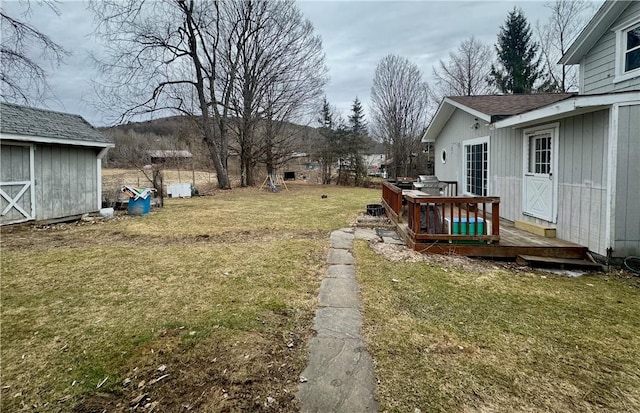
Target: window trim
<point>621,52</point>
<point>470,142</point>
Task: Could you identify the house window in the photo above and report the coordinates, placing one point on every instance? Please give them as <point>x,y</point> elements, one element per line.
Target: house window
<point>632,49</point>
<point>627,52</point>
<point>476,166</point>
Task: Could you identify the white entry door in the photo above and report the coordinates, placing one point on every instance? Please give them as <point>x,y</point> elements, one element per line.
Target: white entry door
<point>539,198</point>
<point>16,184</point>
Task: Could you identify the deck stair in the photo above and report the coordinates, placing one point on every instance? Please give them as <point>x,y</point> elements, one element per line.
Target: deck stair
<point>553,262</point>
<point>537,229</point>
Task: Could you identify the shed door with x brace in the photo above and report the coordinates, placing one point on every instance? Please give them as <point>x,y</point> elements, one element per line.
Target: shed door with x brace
<point>16,184</point>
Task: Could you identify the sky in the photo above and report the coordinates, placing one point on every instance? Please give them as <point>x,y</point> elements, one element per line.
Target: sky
<point>356,35</point>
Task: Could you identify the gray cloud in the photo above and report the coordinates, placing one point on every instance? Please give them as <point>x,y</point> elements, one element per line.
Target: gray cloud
<point>356,36</point>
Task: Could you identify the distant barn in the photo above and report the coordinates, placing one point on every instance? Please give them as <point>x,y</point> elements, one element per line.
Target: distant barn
<point>50,164</point>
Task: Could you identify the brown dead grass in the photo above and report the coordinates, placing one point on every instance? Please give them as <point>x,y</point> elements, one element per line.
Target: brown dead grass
<point>451,334</point>
<point>205,305</point>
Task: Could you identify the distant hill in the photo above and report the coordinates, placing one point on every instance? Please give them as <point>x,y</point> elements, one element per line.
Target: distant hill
<point>183,133</point>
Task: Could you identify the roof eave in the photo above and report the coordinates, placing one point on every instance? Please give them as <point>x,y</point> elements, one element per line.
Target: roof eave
<point>58,141</point>
<point>596,27</point>
<point>568,107</point>
<point>444,112</point>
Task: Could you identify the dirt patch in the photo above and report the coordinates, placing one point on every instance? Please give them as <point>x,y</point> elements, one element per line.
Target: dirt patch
<point>258,373</point>
<point>402,253</point>
<point>74,234</point>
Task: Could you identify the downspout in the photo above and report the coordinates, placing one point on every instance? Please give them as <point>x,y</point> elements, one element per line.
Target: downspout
<point>101,155</point>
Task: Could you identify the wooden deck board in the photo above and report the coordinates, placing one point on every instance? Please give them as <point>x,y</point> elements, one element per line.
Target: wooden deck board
<point>513,242</point>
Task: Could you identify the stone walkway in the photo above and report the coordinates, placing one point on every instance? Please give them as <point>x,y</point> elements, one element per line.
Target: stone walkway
<point>340,375</point>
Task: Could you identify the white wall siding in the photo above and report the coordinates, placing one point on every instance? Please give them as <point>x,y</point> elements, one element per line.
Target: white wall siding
<point>506,173</point>
<point>66,181</point>
<point>458,129</point>
<point>627,204</point>
<point>505,160</point>
<point>582,180</point>
<point>599,63</point>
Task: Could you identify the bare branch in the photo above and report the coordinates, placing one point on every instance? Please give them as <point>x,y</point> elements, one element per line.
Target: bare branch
<point>23,79</point>
<point>399,100</point>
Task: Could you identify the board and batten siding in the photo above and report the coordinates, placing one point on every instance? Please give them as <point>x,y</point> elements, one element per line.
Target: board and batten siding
<point>505,159</point>
<point>598,65</point>
<point>582,185</point>
<point>458,129</point>
<point>627,203</point>
<point>582,177</point>
<point>506,171</point>
<point>66,181</point>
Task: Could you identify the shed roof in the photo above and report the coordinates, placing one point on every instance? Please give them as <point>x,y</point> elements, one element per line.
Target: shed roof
<point>42,125</point>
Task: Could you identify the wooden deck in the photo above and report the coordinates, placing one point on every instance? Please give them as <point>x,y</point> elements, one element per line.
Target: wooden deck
<point>513,242</point>
<point>500,239</point>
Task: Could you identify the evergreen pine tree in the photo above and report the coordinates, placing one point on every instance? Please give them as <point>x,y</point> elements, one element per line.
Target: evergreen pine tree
<point>357,142</point>
<point>327,149</point>
<point>518,70</point>
<point>356,119</point>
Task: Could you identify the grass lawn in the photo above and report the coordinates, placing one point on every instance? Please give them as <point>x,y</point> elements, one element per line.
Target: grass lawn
<point>489,338</point>
<point>205,305</point>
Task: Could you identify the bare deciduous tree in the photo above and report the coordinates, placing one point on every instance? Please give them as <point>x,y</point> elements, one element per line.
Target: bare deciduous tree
<point>465,73</point>
<point>281,72</point>
<point>399,101</point>
<point>566,20</point>
<point>171,56</point>
<point>23,78</point>
<point>214,61</point>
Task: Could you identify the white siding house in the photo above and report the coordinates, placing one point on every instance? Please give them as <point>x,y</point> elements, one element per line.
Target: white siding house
<point>50,165</point>
<point>571,163</point>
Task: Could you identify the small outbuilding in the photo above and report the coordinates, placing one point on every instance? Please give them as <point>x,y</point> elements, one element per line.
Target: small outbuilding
<point>50,164</point>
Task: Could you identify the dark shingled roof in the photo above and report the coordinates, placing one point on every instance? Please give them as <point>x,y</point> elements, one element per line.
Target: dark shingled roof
<point>502,106</point>
<point>26,121</point>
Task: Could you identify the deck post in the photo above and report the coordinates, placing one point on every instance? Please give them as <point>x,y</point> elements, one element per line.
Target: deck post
<point>495,218</point>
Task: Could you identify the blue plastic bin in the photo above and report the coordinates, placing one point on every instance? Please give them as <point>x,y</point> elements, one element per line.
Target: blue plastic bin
<point>140,206</point>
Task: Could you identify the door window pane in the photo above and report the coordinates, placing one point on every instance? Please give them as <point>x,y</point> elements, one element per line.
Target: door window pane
<point>477,168</point>
<point>540,154</point>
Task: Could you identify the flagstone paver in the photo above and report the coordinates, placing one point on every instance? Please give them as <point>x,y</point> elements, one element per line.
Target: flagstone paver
<point>340,376</point>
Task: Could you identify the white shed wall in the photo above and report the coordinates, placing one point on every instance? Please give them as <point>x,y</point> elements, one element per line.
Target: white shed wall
<point>66,181</point>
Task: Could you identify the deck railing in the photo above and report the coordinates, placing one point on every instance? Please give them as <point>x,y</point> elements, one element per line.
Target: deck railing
<point>443,218</point>
<point>454,218</point>
<point>392,198</point>
<point>392,201</point>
